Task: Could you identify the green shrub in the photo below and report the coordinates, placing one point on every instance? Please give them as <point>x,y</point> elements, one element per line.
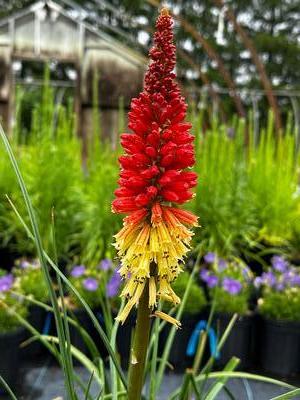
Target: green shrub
<point>283,305</point>
<point>30,280</point>
<point>99,223</point>
<point>280,291</point>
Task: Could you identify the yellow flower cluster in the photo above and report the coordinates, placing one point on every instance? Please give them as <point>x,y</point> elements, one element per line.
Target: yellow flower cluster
<point>153,251</point>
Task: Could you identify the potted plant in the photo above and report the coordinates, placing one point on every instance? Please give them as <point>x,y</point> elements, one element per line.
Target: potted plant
<point>90,282</point>
<point>229,284</point>
<point>11,331</point>
<point>279,307</point>
<point>194,312</point>
<point>30,282</point>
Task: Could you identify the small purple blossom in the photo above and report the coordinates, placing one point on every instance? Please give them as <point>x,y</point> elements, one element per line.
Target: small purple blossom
<point>212,281</point>
<point>6,282</point>
<point>113,285</point>
<point>210,258</point>
<point>258,281</point>
<point>280,286</point>
<point>287,277</point>
<point>105,264</point>
<point>279,263</point>
<point>295,280</point>
<point>268,278</point>
<point>78,271</point>
<point>90,284</point>
<point>222,264</point>
<point>232,286</point>
<point>204,274</point>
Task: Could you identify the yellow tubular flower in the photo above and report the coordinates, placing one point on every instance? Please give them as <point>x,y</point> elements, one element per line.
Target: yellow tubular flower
<point>153,250</point>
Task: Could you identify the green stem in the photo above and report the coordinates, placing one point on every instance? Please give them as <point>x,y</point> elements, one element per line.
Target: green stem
<point>139,348</point>
<point>200,351</point>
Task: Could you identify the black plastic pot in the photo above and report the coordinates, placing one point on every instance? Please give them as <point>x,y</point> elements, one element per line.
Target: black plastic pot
<point>280,347</point>
<point>178,358</point>
<point>10,356</point>
<point>37,318</point>
<point>240,342</point>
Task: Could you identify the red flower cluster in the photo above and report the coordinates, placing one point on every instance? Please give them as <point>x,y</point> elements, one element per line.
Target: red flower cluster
<point>153,175</point>
<point>161,146</point>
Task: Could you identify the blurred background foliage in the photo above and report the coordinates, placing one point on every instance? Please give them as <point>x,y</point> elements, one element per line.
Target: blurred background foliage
<point>272,25</point>
<point>247,196</point>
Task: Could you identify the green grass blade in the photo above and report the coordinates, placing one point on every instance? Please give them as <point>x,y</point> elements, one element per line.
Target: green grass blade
<point>82,358</point>
<point>185,387</point>
<point>286,396</point>
<point>221,343</point>
<point>153,364</point>
<point>7,388</point>
<point>81,300</point>
<point>172,333</point>
<point>114,378</point>
<point>67,369</point>
<point>246,375</point>
<point>88,388</point>
<point>219,384</point>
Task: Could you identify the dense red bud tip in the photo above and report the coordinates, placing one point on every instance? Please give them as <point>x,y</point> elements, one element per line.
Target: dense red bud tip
<point>160,149</point>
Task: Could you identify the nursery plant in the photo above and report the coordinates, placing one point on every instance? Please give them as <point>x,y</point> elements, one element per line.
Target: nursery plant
<point>9,300</point>
<point>229,283</point>
<point>11,330</point>
<point>280,291</point>
<point>151,245</point>
<point>51,145</point>
<point>279,306</point>
<point>247,195</point>
<point>29,279</point>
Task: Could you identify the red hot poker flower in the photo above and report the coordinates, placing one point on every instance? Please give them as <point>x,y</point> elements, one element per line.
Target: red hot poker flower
<point>155,179</point>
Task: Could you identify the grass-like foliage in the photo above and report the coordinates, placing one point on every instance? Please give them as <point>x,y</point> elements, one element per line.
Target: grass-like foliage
<point>247,193</point>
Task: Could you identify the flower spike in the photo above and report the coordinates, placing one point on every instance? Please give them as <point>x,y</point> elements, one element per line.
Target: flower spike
<point>154,180</point>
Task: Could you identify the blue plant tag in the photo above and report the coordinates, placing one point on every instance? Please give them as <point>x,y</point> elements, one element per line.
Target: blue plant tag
<point>193,341</point>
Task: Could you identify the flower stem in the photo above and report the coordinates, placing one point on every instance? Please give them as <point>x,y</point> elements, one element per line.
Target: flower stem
<point>139,348</point>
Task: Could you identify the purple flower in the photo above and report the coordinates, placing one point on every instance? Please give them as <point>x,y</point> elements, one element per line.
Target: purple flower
<point>222,264</point>
<point>6,282</point>
<point>210,258</point>
<point>258,282</point>
<point>280,286</point>
<point>105,264</point>
<point>78,271</point>
<point>295,280</point>
<point>279,263</point>
<point>268,278</point>
<point>113,284</point>
<point>90,284</point>
<point>204,274</point>
<point>212,281</point>
<point>232,286</point>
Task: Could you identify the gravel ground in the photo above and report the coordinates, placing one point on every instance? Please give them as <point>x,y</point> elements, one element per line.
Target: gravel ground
<point>45,382</point>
